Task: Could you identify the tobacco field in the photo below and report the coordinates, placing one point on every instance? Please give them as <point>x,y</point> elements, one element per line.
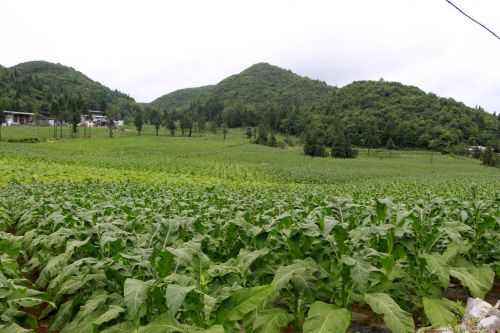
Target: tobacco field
<point>176,234</point>
<point>126,257</point>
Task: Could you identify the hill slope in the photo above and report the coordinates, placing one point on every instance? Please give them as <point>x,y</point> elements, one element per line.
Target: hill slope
<point>372,112</point>
<point>369,112</point>
<point>259,85</point>
<point>266,84</point>
<point>181,98</point>
<point>32,85</point>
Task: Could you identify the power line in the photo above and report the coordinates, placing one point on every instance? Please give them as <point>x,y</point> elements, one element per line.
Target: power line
<point>474,20</point>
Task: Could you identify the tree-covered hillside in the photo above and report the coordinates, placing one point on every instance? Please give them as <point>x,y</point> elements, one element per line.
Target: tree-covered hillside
<point>372,112</point>
<point>367,113</point>
<point>264,84</point>
<point>34,85</point>
<point>258,86</point>
<point>181,98</point>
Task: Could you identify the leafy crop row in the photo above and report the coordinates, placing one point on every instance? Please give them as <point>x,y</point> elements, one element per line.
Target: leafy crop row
<point>130,258</point>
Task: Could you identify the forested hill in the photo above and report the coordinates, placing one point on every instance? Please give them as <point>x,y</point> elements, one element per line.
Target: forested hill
<point>181,98</point>
<point>368,112</point>
<point>259,85</point>
<point>32,86</point>
<point>372,112</point>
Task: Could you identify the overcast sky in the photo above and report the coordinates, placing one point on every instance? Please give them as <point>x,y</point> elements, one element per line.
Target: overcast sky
<point>148,48</point>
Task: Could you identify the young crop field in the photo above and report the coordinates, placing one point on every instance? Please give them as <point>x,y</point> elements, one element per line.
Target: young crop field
<point>177,234</point>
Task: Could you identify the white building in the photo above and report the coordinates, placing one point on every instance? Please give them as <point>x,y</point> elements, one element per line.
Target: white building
<point>480,148</point>
<point>98,119</point>
<point>25,118</point>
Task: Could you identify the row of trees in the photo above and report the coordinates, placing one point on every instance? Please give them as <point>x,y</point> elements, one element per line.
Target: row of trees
<point>173,120</point>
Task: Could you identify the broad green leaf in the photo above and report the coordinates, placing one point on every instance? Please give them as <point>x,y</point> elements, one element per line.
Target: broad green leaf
<point>175,295</point>
<point>208,305</point>
<point>53,266</point>
<point>285,273</point>
<point>242,302</point>
<point>29,302</point>
<point>135,293</point>
<point>360,271</point>
<point>62,316</point>
<point>113,312</point>
<point>71,285</point>
<point>271,321</point>
<point>184,254</point>
<point>438,312</point>
<point>478,280</point>
<point>71,245</point>
<point>245,258</point>
<point>437,266</point>
<point>123,327</point>
<point>164,323</point>
<point>89,312</point>
<point>453,250</point>
<point>326,318</point>
<point>13,328</point>
<point>305,281</point>
<point>10,244</point>
<point>395,318</point>
<point>215,329</point>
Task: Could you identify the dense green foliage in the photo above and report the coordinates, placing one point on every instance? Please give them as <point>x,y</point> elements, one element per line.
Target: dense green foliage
<point>33,86</point>
<point>264,84</point>
<point>368,112</point>
<point>180,98</point>
<point>372,112</point>
<point>194,258</point>
<point>259,86</point>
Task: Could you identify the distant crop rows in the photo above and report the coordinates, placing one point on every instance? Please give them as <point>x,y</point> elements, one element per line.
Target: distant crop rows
<point>93,257</point>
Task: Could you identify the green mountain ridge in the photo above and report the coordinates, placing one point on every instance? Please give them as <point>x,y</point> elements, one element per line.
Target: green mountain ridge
<point>181,98</point>
<point>369,112</point>
<point>260,84</point>
<point>32,86</point>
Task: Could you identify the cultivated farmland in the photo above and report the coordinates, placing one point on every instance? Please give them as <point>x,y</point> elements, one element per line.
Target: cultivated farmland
<point>161,234</point>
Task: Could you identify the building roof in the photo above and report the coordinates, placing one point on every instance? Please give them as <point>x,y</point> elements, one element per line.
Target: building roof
<point>17,112</point>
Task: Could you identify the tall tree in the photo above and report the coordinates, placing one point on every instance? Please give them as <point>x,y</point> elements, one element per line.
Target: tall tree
<point>262,135</point>
<point>186,124</point>
<point>110,114</point>
<point>313,144</point>
<point>74,116</point>
<point>489,157</point>
<point>391,146</point>
<point>75,120</point>
<point>213,127</point>
<point>138,121</point>
<point>171,126</point>
<point>248,133</point>
<point>272,142</point>
<point>155,119</point>
<point>341,147</point>
<point>165,117</point>
<point>224,130</point>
